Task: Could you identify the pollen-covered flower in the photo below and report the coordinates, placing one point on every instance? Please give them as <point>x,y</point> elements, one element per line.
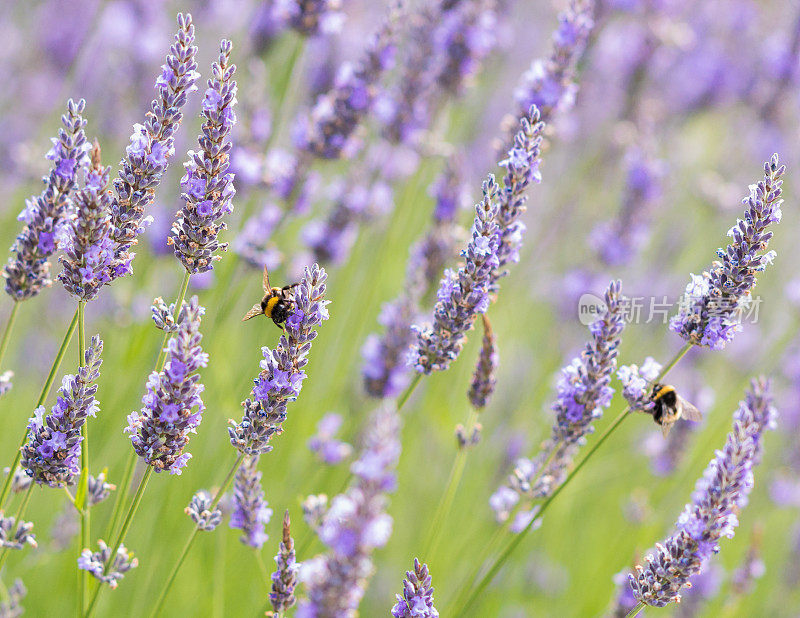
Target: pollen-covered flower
<point>95,563</point>
<point>462,294</point>
<point>637,383</point>
<point>172,406</point>
<point>28,270</point>
<point>284,579</point>
<point>417,598</point>
<point>718,498</point>
<point>250,511</point>
<point>483,378</point>
<point>207,186</point>
<point>152,145</point>
<point>283,368</point>
<point>201,513</point>
<point>711,310</point>
<point>52,453</point>
<point>329,450</point>
<point>15,535</point>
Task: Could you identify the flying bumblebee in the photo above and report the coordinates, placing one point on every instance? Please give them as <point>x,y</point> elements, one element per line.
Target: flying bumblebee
<point>669,407</point>
<point>276,304</point>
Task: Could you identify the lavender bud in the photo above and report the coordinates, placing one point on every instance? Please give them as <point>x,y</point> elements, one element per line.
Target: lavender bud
<point>329,450</point>
<point>463,294</point>
<point>250,510</point>
<point>12,606</point>
<point>637,384</point>
<point>718,497</point>
<point>95,563</point>
<point>283,369</point>
<point>28,271</point>
<point>314,508</point>
<point>98,489</point>
<point>483,378</point>
<point>467,440</point>
<point>162,315</point>
<point>284,579</point>
<point>417,597</point>
<point>5,382</point>
<point>310,17</point>
<point>710,312</point>
<point>52,452</point>
<point>21,480</point>
<point>172,406</point>
<point>208,185</point>
<point>200,511</point>
<point>15,536</point>
<point>152,145</point>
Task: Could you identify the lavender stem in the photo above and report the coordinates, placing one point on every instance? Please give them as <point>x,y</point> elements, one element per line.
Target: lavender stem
<point>83,506</point>
<point>476,591</point>
<point>42,397</point>
<point>7,332</point>
<point>639,607</point>
<point>162,353</point>
<point>404,397</point>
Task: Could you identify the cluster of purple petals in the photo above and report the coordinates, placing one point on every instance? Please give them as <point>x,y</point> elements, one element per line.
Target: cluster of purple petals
<point>329,450</point>
<point>89,258</point>
<point>718,498</point>
<point>15,536</point>
<point>355,525</point>
<point>95,563</point>
<point>250,511</point>
<point>637,383</point>
<point>283,368</point>
<point>207,187</point>
<point>202,511</point>
<point>328,131</point>
<point>152,145</point>
<point>284,579</point>
<point>164,315</point>
<point>310,17</point>
<point>417,598</point>
<point>172,406</point>
<point>583,392</point>
<point>12,606</point>
<point>52,453</point>
<point>483,378</point>
<point>711,309</point>
<point>28,270</point>
<point>462,294</point>
<point>98,488</point>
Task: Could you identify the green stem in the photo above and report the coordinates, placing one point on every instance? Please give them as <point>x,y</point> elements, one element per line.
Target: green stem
<point>126,524</point>
<point>639,607</point>
<point>7,332</point>
<point>182,557</point>
<point>17,518</point>
<point>83,575</point>
<point>162,352</point>
<point>42,398</point>
<point>476,591</point>
<point>406,395</point>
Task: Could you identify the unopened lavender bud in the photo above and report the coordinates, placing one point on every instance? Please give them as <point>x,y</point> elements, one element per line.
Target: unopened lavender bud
<point>11,607</point>
<point>95,563</point>
<point>98,489</point>
<point>637,384</point>
<point>465,439</point>
<point>250,512</point>
<point>284,579</point>
<point>314,508</point>
<point>162,315</point>
<point>417,598</point>
<point>21,480</point>
<point>483,378</point>
<point>15,535</point>
<point>202,514</point>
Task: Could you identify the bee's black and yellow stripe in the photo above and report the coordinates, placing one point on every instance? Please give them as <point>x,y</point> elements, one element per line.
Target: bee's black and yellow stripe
<point>270,305</point>
<point>665,389</point>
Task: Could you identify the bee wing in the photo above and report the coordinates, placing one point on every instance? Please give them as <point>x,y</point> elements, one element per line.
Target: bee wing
<point>665,428</point>
<point>256,310</point>
<point>265,281</point>
<point>689,412</point>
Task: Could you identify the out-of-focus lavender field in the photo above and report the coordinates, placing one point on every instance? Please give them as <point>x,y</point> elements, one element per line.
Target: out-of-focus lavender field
<point>440,389</point>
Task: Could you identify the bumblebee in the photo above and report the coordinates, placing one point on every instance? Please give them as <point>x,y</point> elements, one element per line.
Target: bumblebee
<point>669,407</point>
<point>276,304</point>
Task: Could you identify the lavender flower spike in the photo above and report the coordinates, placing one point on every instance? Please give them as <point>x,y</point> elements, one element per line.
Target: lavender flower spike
<point>95,563</point>
<point>152,144</point>
<point>355,525</point>
<point>200,511</point>
<point>16,536</point>
<point>718,497</point>
<point>89,259</point>
<point>172,406</point>
<point>52,452</point>
<point>710,311</point>
<point>417,598</point>
<point>583,394</point>
<point>12,607</point>
<point>483,378</point>
<point>310,17</point>
<point>284,580</point>
<point>329,450</point>
<point>28,271</point>
<point>463,294</point>
<point>282,370</point>
<point>250,510</point>
<point>208,185</point>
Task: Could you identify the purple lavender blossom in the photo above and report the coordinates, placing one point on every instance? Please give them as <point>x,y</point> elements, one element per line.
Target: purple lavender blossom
<point>208,185</point>
<point>284,579</point>
<point>52,452</point>
<point>28,271</point>
<point>310,17</point>
<point>172,406</point>
<point>584,391</point>
<point>152,145</point>
<point>250,511</point>
<point>328,131</point>
<point>201,512</point>
<point>314,508</point>
<point>417,598</point>
<point>637,384</point>
<point>95,563</point>
<point>710,311</point>
<point>283,368</point>
<point>12,606</point>
<point>89,260</point>
<point>462,294</point>
<point>354,526</point>
<point>98,489</point>
<point>253,244</point>
<point>329,450</point>
<point>20,481</point>
<point>15,536</point>
<point>718,497</point>
<point>163,315</point>
<point>483,378</point>
<point>624,601</point>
